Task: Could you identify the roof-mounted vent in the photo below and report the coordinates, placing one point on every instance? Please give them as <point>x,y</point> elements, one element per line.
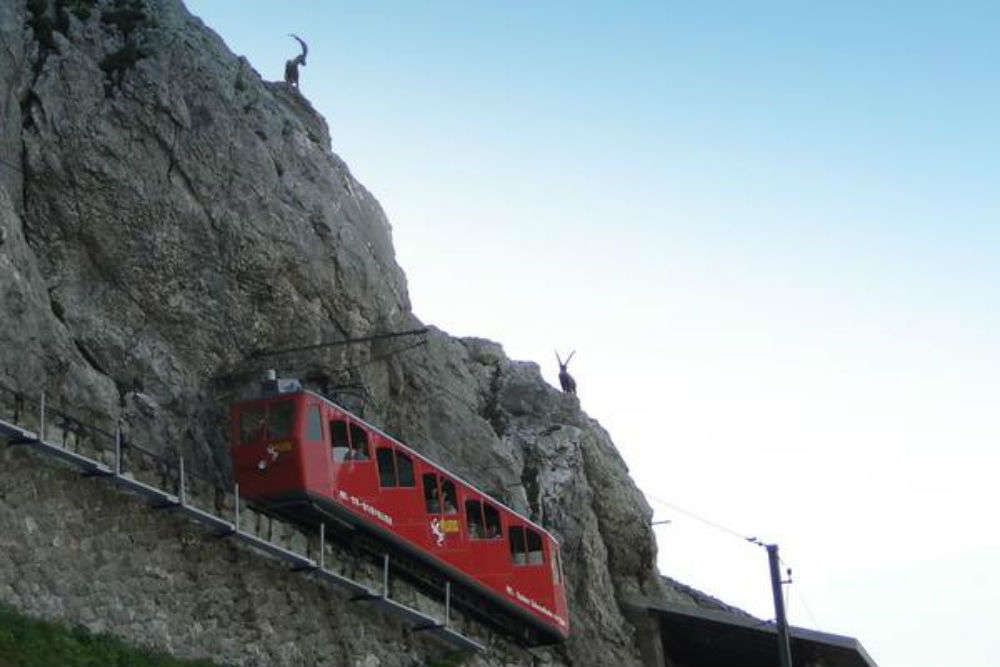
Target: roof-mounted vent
<point>272,384</point>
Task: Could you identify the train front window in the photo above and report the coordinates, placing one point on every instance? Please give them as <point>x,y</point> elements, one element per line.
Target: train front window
<point>339,443</point>
<point>280,419</point>
<point>252,423</point>
<point>431,500</point>
<point>314,424</point>
<point>359,443</point>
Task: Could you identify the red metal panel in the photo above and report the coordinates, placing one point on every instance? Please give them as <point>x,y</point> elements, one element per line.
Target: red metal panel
<point>264,465</point>
<point>304,465</point>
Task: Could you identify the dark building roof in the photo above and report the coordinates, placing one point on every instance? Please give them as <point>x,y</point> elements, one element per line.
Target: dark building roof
<point>698,630</point>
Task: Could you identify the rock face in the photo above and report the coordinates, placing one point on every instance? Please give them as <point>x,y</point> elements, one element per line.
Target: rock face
<point>165,213</point>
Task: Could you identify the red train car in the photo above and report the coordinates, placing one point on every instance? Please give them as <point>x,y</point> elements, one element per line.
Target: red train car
<point>296,450</point>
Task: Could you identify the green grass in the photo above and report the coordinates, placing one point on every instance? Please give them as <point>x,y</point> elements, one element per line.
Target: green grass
<point>28,642</point>
<point>451,660</point>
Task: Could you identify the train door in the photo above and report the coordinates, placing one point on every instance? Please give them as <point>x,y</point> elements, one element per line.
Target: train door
<point>442,525</point>
<point>315,461</point>
<point>484,535</point>
<point>350,455</point>
<point>397,488</point>
<point>266,460</point>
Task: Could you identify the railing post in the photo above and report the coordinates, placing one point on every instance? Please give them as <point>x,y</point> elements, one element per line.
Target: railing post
<point>118,449</point>
<point>236,504</point>
<point>447,603</point>
<point>41,417</point>
<point>385,577</point>
<point>322,545</point>
<point>180,483</point>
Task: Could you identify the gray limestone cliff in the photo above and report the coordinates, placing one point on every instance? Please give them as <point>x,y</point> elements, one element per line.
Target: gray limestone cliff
<point>164,212</point>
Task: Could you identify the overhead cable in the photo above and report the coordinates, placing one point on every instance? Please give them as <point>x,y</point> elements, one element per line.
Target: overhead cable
<point>337,343</point>
<point>707,522</point>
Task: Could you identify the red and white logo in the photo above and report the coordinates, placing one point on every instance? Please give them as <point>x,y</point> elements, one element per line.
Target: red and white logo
<point>436,529</point>
<point>271,455</point>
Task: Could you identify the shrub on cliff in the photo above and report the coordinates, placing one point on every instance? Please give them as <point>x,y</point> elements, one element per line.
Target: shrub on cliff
<point>28,642</point>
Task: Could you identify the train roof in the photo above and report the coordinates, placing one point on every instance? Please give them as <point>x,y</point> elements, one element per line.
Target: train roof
<point>409,449</point>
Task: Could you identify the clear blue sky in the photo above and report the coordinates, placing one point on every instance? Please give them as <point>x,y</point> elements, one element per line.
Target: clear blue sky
<point>770,231</point>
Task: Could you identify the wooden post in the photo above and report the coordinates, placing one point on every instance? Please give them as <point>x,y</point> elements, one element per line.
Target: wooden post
<point>784,649</point>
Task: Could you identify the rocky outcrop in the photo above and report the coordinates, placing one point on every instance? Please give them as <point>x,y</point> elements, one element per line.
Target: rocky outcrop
<point>682,595</point>
<point>165,213</point>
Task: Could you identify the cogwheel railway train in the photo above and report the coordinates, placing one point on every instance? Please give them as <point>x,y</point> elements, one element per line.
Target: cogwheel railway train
<point>296,452</point>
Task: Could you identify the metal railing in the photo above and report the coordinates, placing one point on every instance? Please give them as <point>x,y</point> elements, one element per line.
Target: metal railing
<point>104,450</point>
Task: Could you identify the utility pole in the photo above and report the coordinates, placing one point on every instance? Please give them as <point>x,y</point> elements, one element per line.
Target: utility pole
<point>784,649</point>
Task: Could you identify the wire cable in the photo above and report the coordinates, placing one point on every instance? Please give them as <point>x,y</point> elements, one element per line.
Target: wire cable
<point>752,540</point>
<point>707,522</point>
<point>805,605</point>
<point>256,354</point>
<point>800,596</point>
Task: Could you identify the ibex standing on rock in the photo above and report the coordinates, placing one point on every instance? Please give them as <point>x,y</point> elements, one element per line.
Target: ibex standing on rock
<point>292,66</point>
<point>566,380</point>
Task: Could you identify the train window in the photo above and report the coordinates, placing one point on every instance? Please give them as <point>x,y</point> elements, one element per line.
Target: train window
<point>448,491</point>
<point>534,547</point>
<point>280,418</point>
<point>479,528</point>
<point>558,562</point>
<point>359,443</point>
<point>252,421</point>
<point>431,499</point>
<point>517,555</point>
<point>404,469</point>
<point>492,521</point>
<point>474,517</point>
<point>314,424</point>
<point>338,440</point>
<point>394,470</point>
<point>386,470</point>
<point>433,495</point>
